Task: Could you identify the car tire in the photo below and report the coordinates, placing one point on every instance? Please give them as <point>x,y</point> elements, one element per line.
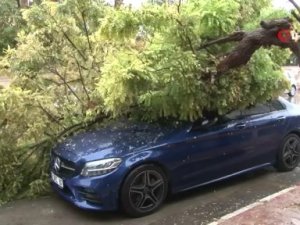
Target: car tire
<point>293,91</point>
<point>288,157</point>
<point>144,190</point>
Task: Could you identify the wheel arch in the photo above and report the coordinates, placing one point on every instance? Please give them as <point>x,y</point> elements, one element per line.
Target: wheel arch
<point>297,132</point>
<point>144,163</point>
<point>280,165</point>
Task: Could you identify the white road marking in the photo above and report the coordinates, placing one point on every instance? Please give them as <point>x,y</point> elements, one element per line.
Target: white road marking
<point>251,206</point>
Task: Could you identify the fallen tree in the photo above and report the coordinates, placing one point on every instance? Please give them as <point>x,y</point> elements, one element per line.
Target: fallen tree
<point>81,62</point>
<point>270,34</point>
<point>276,32</point>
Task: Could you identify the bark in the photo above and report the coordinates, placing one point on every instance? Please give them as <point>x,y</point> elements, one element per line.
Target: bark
<point>295,5</point>
<point>118,3</point>
<point>18,4</point>
<point>249,42</point>
<point>23,3</point>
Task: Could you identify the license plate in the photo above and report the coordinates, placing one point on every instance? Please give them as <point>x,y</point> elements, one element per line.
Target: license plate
<point>57,180</point>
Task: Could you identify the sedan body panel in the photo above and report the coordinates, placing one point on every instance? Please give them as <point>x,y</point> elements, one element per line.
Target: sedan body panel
<point>191,155</point>
<point>206,156</point>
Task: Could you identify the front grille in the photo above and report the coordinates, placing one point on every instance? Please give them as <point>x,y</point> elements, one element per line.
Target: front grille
<point>66,168</point>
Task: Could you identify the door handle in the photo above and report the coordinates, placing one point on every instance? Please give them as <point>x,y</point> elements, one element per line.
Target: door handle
<point>280,118</point>
<point>240,125</point>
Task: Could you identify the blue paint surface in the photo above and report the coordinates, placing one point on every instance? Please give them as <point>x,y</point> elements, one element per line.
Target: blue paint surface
<point>191,154</point>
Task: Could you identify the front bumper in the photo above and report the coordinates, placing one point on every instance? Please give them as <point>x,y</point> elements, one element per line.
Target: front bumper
<point>91,193</point>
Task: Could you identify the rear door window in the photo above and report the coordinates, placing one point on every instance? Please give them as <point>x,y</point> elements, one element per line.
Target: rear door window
<point>256,110</point>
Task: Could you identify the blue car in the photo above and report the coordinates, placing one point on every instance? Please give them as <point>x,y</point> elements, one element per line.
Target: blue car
<point>134,166</point>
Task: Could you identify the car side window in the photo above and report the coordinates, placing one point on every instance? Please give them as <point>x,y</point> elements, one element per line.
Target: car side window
<point>276,105</point>
<point>234,115</point>
<point>292,61</point>
<point>256,109</point>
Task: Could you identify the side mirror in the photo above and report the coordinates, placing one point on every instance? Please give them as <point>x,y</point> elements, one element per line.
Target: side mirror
<point>204,122</point>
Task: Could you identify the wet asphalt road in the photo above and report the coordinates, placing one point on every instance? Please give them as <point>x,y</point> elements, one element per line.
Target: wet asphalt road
<point>199,206</point>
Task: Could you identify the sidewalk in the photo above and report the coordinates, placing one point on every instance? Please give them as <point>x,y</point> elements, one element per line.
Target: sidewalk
<point>282,208</point>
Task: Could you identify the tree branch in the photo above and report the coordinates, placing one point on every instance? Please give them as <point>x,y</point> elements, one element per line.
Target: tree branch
<point>189,40</point>
<point>82,79</point>
<point>18,3</point>
<point>237,36</point>
<point>59,84</point>
<point>86,30</point>
<point>68,38</point>
<point>295,5</point>
<point>179,6</point>
<point>118,3</point>
<point>296,16</point>
<point>249,42</point>
<point>66,131</point>
<point>73,45</point>
<point>81,125</point>
<point>66,84</point>
<point>52,117</point>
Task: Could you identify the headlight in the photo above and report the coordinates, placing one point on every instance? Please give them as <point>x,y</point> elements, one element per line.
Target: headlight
<point>100,167</point>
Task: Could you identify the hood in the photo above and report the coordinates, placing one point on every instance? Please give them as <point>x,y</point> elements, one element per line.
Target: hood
<point>115,140</point>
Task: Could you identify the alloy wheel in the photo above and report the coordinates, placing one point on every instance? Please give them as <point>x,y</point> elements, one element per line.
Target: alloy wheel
<point>293,91</point>
<point>147,190</point>
<point>291,152</point>
<point>144,190</point>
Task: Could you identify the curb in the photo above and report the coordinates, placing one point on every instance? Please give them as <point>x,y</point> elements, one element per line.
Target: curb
<point>253,205</point>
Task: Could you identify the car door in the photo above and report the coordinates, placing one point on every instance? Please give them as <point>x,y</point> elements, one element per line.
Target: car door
<point>215,152</point>
<point>267,122</point>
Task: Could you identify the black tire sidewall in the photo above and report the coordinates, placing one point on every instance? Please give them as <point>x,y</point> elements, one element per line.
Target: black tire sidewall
<point>281,165</point>
<point>293,88</point>
<point>124,193</point>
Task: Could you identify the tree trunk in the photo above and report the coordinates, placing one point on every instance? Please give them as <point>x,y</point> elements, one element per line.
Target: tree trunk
<point>23,3</point>
<point>18,4</point>
<point>249,42</point>
<point>118,3</point>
